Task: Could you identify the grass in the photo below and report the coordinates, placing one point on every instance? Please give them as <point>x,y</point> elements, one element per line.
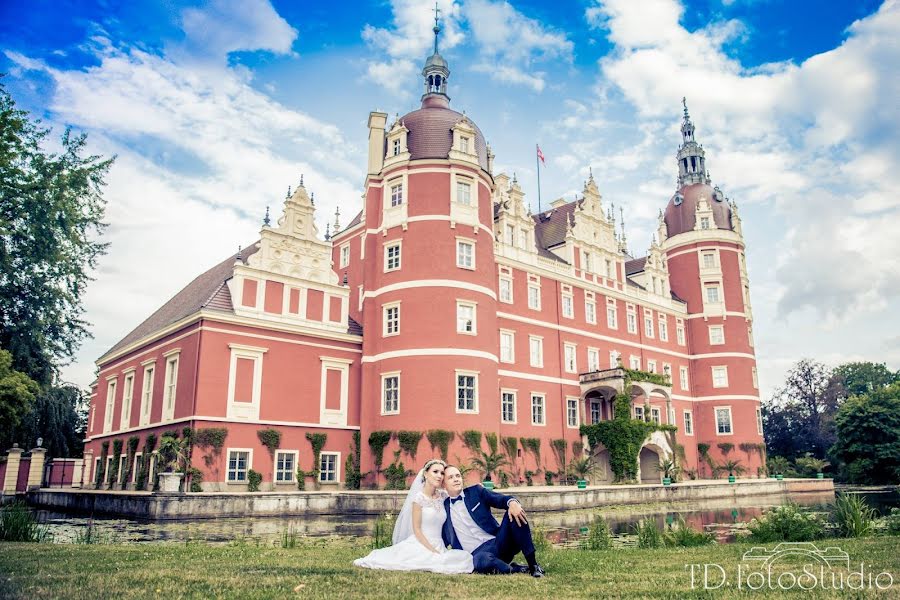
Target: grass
<point>322,569</point>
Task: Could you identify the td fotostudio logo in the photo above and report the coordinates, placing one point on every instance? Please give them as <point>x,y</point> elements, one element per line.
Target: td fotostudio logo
<point>791,565</point>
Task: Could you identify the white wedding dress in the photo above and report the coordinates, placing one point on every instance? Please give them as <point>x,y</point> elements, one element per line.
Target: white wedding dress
<point>410,555</point>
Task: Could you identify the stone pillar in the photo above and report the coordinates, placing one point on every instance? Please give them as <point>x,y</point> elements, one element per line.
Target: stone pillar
<point>13,458</point>
<point>87,473</point>
<point>36,471</point>
<point>77,472</point>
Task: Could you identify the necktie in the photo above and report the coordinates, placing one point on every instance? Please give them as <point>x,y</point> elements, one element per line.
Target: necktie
<point>457,499</point>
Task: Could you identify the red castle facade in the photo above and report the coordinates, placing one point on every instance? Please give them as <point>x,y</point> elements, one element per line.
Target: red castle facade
<point>444,305</point>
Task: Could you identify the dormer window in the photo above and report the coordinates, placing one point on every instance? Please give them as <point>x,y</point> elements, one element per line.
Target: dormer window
<point>396,146</point>
<point>704,222</point>
<point>464,144</point>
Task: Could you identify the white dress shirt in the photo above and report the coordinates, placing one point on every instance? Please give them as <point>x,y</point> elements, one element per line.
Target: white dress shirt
<point>468,532</point>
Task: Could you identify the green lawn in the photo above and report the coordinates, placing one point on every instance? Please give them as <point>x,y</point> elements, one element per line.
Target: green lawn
<point>322,569</point>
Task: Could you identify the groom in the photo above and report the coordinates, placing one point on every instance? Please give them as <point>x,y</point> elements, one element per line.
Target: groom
<point>470,526</point>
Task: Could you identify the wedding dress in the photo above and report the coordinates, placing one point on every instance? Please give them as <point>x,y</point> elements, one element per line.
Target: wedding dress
<point>408,554</point>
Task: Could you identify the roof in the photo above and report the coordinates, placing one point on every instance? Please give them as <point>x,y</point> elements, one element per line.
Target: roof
<point>635,265</point>
<point>208,291</point>
<point>430,134</point>
<point>682,217</point>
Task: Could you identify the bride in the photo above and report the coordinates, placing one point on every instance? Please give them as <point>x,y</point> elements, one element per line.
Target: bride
<point>417,534</point>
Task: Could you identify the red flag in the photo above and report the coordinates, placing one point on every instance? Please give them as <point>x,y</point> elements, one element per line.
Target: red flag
<point>540,155</point>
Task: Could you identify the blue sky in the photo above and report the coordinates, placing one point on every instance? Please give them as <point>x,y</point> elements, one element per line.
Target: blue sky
<point>214,108</point>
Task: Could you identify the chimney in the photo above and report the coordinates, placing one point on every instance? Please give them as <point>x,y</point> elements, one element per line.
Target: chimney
<point>377,121</point>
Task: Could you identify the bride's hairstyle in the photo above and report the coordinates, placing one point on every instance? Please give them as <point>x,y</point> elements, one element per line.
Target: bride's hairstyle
<point>431,463</point>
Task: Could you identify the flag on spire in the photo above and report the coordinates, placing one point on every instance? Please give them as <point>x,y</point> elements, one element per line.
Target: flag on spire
<point>540,155</point>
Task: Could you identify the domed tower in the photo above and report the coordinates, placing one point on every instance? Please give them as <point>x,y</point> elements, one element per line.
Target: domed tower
<point>702,240</point>
<point>429,302</point>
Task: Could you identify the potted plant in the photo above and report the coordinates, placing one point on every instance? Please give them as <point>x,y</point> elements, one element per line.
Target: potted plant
<point>171,457</point>
<point>582,468</point>
<point>489,463</point>
<point>733,467</point>
<point>670,471</point>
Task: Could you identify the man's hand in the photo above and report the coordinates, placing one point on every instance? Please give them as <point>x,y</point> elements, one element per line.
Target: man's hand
<point>517,513</point>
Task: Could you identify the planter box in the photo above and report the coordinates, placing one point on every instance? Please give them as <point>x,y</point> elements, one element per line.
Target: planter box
<point>582,484</point>
<point>488,485</point>
<point>667,481</point>
<point>170,482</point>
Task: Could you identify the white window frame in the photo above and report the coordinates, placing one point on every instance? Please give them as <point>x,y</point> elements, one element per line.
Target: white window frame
<point>614,357</point>
<point>651,365</point>
<point>612,314</point>
<point>534,296</point>
<point>543,408</point>
<point>711,255</point>
<point>245,410</point>
<point>395,193</point>
<point>398,244</point>
<point>388,323</point>
<point>591,412</point>
<point>510,356</point>
<point>730,420</point>
<point>586,262</point>
<point>684,378</point>
<point>228,470</point>
<point>337,468</point>
<point>663,326</point>
<point>655,415</point>
<point>505,296</point>
<point>134,468</point>
<point>590,311</point>
<point>462,261</point>
<point>679,334</point>
<point>723,383</point>
<point>638,412</point>
<point>539,360</point>
<point>567,306</point>
<point>570,357</point>
<point>634,362</point>
<point>292,473</point>
<point>127,398</point>
<point>170,389</point>
<point>648,326</point>
<point>593,359</point>
<point>147,385</point>
<point>704,223</point>
<point>111,385</point>
<point>474,376</point>
<point>707,289</point>
<point>687,418</point>
<point>716,335</point>
<point>471,326</point>
<point>463,185</point>
<point>384,391</point>
<point>512,394</point>
<point>631,321</point>
<point>345,255</point>
<point>572,411</point>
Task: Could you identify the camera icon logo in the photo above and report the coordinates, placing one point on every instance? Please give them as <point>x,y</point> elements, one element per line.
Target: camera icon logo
<point>831,556</point>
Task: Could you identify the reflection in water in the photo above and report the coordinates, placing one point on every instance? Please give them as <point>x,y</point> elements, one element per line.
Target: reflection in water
<point>722,518</point>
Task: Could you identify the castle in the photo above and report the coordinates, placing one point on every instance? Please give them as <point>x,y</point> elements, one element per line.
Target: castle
<point>444,307</point>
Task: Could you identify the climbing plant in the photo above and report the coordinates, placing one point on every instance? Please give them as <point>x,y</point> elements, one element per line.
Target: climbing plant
<point>101,470</point>
<point>271,439</point>
<point>211,440</point>
<point>511,446</point>
<point>647,376</point>
<point>623,436</point>
<point>532,445</point>
<point>133,442</point>
<point>440,439</point>
<point>559,448</point>
<point>726,448</point>
<point>472,440</point>
<point>317,441</point>
<point>352,474</point>
<point>114,467</point>
<point>409,442</point>
<point>396,474</point>
<point>378,440</point>
<point>491,439</point>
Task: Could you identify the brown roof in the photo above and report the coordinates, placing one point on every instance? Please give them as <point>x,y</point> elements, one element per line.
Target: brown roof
<point>208,291</point>
<point>430,134</point>
<point>682,217</point>
<point>635,265</point>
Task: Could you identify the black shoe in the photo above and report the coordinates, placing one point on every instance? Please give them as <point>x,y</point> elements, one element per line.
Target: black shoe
<point>517,568</point>
<point>536,571</point>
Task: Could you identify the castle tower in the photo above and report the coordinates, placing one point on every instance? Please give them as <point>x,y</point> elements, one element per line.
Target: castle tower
<point>702,240</point>
<point>429,300</point>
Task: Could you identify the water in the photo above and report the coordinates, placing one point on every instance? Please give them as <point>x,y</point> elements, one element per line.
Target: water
<point>724,519</point>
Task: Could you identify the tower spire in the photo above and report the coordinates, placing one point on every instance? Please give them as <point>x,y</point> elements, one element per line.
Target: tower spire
<point>436,71</point>
<point>691,156</point>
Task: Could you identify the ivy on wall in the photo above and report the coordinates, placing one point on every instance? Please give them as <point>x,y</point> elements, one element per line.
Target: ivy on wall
<point>101,471</point>
<point>114,467</point>
<point>532,445</point>
<point>378,440</point>
<point>409,442</point>
<point>133,442</point>
<point>623,436</point>
<point>352,474</point>
<point>211,440</point>
<point>440,439</point>
<point>472,440</point>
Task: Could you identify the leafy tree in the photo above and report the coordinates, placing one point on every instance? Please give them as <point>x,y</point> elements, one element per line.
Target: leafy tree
<point>59,415</point>
<point>863,377</point>
<point>51,214</point>
<point>17,395</point>
<point>868,437</point>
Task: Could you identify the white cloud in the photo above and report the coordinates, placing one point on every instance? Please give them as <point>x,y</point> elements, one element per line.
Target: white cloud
<point>222,27</point>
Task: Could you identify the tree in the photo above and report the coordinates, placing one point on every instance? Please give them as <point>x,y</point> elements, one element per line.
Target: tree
<point>868,437</point>
<point>59,416</point>
<point>801,414</point>
<point>862,377</point>
<point>17,394</point>
<point>51,214</point>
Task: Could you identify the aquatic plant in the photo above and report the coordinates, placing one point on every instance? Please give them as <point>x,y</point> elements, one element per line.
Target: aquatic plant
<point>853,516</point>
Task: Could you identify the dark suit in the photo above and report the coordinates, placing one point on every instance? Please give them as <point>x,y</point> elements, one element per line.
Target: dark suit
<point>494,555</point>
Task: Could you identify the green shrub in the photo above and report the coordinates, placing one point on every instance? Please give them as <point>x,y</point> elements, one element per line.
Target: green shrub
<point>17,524</point>
<point>196,476</point>
<point>682,535</point>
<point>892,522</point>
<point>648,534</point>
<point>599,536</point>
<point>539,538</point>
<point>396,475</point>
<point>289,537</point>
<point>810,466</point>
<point>254,478</point>
<point>786,523</point>
<point>853,516</point>
<point>383,531</point>
<point>352,474</point>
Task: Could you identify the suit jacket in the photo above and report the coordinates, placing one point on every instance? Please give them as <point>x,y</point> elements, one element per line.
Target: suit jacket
<point>479,502</point>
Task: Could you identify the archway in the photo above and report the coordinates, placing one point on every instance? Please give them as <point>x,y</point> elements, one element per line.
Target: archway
<point>649,461</point>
